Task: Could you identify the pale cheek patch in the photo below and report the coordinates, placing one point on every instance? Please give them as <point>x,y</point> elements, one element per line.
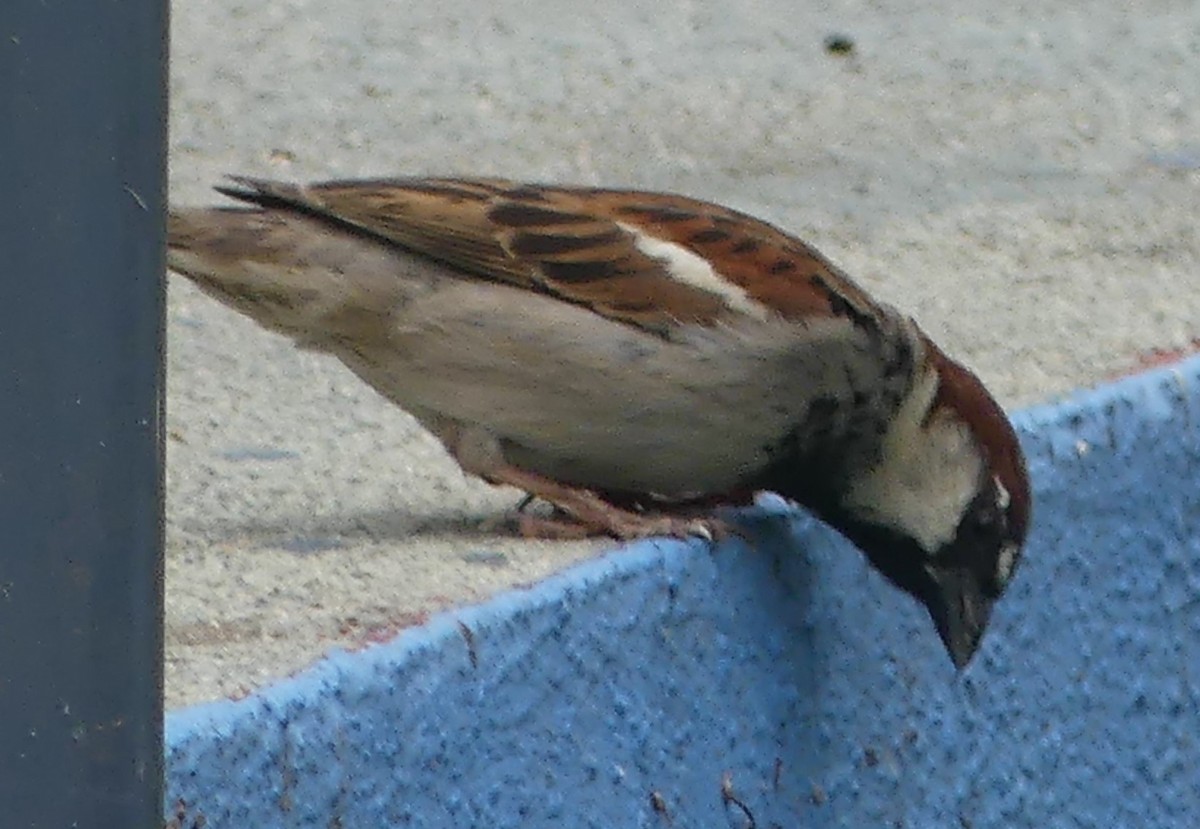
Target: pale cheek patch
<point>926,477</point>
<point>695,271</point>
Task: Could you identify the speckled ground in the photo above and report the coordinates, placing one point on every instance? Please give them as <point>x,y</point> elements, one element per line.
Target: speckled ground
<point>1027,188</point>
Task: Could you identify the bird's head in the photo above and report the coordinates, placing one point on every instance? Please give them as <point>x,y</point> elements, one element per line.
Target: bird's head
<point>944,511</point>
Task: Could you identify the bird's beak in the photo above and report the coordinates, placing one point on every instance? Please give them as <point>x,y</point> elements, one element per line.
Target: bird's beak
<point>960,610</point>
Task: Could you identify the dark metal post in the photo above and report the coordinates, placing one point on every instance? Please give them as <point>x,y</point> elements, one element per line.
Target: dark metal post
<point>82,181</point>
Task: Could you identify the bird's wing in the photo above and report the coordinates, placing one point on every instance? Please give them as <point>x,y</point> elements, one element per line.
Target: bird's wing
<point>650,260</point>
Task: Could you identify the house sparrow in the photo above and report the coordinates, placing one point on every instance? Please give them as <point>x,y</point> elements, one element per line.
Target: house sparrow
<point>636,359</point>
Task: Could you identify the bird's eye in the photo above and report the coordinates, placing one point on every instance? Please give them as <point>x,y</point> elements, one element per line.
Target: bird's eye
<point>985,518</point>
<point>985,521</point>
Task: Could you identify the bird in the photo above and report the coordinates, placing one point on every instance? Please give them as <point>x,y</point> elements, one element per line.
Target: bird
<point>638,360</point>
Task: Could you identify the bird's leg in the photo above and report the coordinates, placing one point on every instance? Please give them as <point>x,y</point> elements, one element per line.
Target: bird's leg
<point>590,514</point>
<point>557,527</point>
<point>587,513</point>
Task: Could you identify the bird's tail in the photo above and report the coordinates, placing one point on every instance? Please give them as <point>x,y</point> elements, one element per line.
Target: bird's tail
<point>290,273</point>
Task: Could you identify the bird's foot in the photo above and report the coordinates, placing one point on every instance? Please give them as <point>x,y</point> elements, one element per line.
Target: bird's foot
<point>623,525</point>
<point>583,513</point>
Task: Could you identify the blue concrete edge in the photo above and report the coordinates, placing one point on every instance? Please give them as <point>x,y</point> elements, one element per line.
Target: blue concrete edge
<point>779,683</point>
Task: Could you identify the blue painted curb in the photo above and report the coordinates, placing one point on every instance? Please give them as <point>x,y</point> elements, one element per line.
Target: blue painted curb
<point>780,685</point>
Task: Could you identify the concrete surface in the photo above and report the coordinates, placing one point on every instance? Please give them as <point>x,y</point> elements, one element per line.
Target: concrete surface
<point>787,675</point>
<point>1025,181</point>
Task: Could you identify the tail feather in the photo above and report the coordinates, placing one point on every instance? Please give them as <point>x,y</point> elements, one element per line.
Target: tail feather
<point>291,273</point>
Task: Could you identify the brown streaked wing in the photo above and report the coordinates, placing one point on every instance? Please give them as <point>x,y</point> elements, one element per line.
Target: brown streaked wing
<point>587,257</point>
<point>530,236</point>
<point>442,218</point>
<point>569,242</point>
<point>774,268</point>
